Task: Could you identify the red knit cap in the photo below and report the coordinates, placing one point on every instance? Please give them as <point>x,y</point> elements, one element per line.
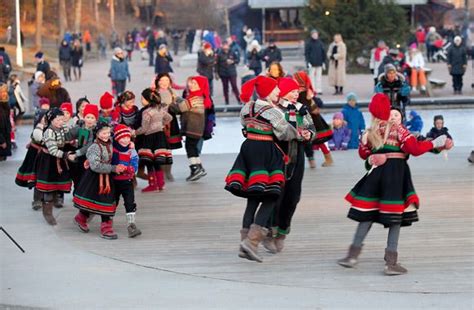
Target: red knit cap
<point>207,45</point>
<point>121,131</point>
<point>379,107</point>
<point>91,109</point>
<point>262,84</point>
<point>287,85</point>
<point>66,106</point>
<point>43,101</point>
<point>106,101</point>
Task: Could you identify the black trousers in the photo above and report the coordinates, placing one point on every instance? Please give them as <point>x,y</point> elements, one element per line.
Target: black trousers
<point>286,206</point>
<point>225,86</point>
<point>308,150</point>
<point>151,56</point>
<point>104,218</point>
<point>119,86</point>
<point>191,146</point>
<point>124,188</point>
<point>457,81</point>
<point>262,216</point>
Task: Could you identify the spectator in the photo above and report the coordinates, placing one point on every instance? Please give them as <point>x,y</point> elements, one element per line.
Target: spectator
<point>420,35</point>
<point>176,36</point>
<point>354,118</point>
<point>65,59</point>
<point>16,99</point>
<point>6,58</point>
<point>393,84</point>
<point>206,64</point>
<point>34,86</point>
<point>377,55</point>
<point>227,71</point>
<point>53,90</point>
<point>315,57</point>
<point>415,123</point>
<point>254,57</point>
<point>4,70</point>
<point>271,53</point>
<point>243,42</point>
<point>393,58</point>
<point>102,45</point>
<point>41,64</point>
<point>431,41</point>
<point>416,63</point>
<point>77,59</point>
<point>275,71</point>
<point>87,39</point>
<point>5,124</point>
<point>457,64</point>
<point>150,46</point>
<point>337,64</point>
<point>190,39</point>
<point>341,133</point>
<point>163,60</point>
<point>119,72</point>
<point>248,38</point>
<point>161,39</point>
<point>129,46</point>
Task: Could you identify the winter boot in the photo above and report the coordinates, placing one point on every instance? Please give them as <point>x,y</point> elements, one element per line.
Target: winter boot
<point>48,213</point>
<point>36,204</point>
<point>392,268</point>
<point>81,221</point>
<point>160,180</point>
<point>243,234</point>
<point>168,175</point>
<point>133,231</point>
<point>250,244</point>
<point>471,158</point>
<point>141,173</point>
<point>59,201</point>
<point>340,90</point>
<point>107,230</point>
<point>203,171</point>
<point>269,243</point>
<point>151,184</point>
<point>336,92</point>
<point>312,163</point>
<point>280,243</point>
<point>327,160</point>
<point>196,173</point>
<point>351,259</point>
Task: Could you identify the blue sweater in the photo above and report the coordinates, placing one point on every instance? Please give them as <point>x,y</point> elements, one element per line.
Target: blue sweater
<point>355,122</point>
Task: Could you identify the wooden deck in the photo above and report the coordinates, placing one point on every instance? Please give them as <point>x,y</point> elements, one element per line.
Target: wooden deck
<point>193,229</point>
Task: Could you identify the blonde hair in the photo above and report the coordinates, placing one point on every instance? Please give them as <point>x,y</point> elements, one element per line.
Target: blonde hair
<point>374,136</point>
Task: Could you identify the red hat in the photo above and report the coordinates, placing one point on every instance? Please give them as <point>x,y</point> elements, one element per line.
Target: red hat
<point>91,109</point>
<point>106,101</point>
<point>66,106</point>
<point>203,83</point>
<point>303,81</point>
<point>287,85</point>
<point>379,107</point>
<point>43,101</point>
<point>207,45</point>
<point>262,84</point>
<point>121,131</point>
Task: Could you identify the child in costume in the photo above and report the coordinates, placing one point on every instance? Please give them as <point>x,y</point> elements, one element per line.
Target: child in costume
<point>124,154</point>
<point>257,173</point>
<point>153,150</point>
<point>69,122</point>
<point>80,105</point>
<point>107,108</point>
<point>95,193</point>
<point>341,133</point>
<point>126,109</point>
<point>385,194</point>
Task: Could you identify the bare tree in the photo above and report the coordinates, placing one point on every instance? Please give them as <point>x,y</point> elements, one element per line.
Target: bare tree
<point>77,15</point>
<point>39,23</point>
<point>96,10</point>
<point>112,13</point>
<point>62,18</point>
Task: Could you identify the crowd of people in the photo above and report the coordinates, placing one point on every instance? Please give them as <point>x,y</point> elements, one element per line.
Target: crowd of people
<point>96,151</point>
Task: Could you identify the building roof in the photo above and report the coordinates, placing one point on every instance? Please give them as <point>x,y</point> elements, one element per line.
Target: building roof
<point>267,4</point>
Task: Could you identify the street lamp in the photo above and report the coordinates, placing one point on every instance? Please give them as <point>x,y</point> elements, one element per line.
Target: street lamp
<point>19,50</point>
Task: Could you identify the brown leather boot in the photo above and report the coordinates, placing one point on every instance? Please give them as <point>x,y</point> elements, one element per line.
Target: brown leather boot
<point>48,213</point>
<point>351,259</point>
<point>250,244</point>
<point>392,268</point>
<point>327,160</point>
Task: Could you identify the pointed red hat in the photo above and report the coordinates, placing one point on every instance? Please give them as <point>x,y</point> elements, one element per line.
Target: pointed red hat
<point>91,109</point>
<point>379,107</point>
<point>287,85</point>
<point>106,101</point>
<point>262,84</point>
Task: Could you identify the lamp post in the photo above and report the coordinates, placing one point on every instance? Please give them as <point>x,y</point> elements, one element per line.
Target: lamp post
<point>19,50</point>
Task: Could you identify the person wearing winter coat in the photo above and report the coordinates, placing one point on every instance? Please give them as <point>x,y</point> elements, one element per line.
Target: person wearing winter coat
<point>438,129</point>
<point>393,84</point>
<point>163,60</point>
<point>41,64</point>
<point>119,72</point>
<point>254,57</point>
<point>395,58</point>
<point>457,63</point>
<point>376,57</point>
<point>431,37</point>
<point>226,68</point>
<point>33,87</point>
<point>315,57</point>
<point>77,59</point>
<point>354,118</point>
<point>337,54</point>
<point>206,64</point>
<point>416,63</point>
<point>271,53</point>
<point>415,123</point>
<point>341,134</point>
<point>5,125</point>
<point>4,70</point>
<point>17,100</point>
<point>54,91</point>
<point>65,59</point>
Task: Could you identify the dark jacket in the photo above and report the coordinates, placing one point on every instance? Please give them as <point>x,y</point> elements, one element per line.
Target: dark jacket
<point>435,133</point>
<point>223,68</point>
<point>355,122</point>
<point>5,129</point>
<point>205,66</point>
<point>390,60</point>
<point>162,64</point>
<point>6,58</point>
<point>255,61</point>
<point>4,71</point>
<point>314,52</point>
<point>43,66</point>
<point>56,94</point>
<point>398,90</point>
<point>273,53</point>
<point>77,54</point>
<point>65,53</point>
<point>151,45</point>
<point>457,59</point>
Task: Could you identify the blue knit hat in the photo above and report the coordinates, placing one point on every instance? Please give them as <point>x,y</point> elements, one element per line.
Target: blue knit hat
<point>39,55</point>
<point>352,96</point>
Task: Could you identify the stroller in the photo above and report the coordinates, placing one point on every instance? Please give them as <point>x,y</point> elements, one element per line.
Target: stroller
<point>442,53</point>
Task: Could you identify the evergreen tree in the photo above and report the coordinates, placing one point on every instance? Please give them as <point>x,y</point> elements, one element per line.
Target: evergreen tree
<point>360,22</point>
